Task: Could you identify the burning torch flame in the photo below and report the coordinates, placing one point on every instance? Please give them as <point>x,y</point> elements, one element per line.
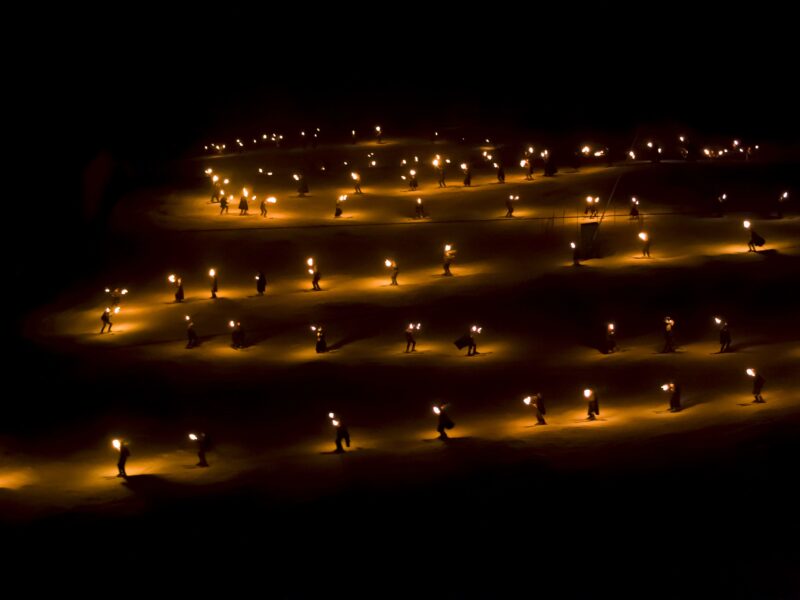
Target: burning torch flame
<point>437,410</point>
<point>117,444</point>
<point>587,393</point>
<point>746,224</point>
<point>387,262</point>
<point>751,372</point>
<point>193,437</point>
<point>527,400</point>
<point>211,272</point>
<point>643,236</point>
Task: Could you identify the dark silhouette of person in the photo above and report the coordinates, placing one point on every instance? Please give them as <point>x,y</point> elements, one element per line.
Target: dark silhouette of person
<point>203,443</point>
<point>413,183</point>
<point>394,270</point>
<point>444,422</point>
<point>758,385</point>
<point>611,339</point>
<point>472,345</point>
<point>634,214</point>
<point>263,207</point>
<point>357,184</point>
<point>411,342</point>
<point>467,177</point>
<point>124,453</point>
<point>449,255</point>
<point>537,402</point>
<point>106,319</point>
<point>724,337</point>
<point>419,210</point>
<point>529,165</point>
<point>116,297</point>
<point>675,398</point>
<point>342,433</point>
<point>192,341</point>
<point>223,204</point>
<point>315,277</point>
<point>669,335</point>
<point>501,174</point>
<point>179,291</point>
<point>302,187</point>
<point>594,406</point>
<point>755,241</point>
<point>214,286</point>
<point>243,206</point>
<point>509,208</point>
<point>576,254</point>
<point>646,247</point>
<point>237,336</point>
<point>441,180</point>
<point>321,345</point>
<point>338,210</point>
<point>550,168</point>
<point>261,283</point>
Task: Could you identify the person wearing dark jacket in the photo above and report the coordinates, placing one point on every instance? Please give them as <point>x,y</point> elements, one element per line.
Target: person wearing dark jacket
<point>467,175</point>
<point>468,341</point>
<point>510,205</point>
<point>501,174</point>
<point>261,283</point>
<point>192,341</point>
<point>593,408</point>
<point>755,239</point>
<point>669,335</point>
<point>178,283</point>
<point>611,338</point>
<point>411,341</point>
<point>243,205</point>
<point>237,335</point>
<point>674,396</point>
<point>419,210</point>
<point>447,259</point>
<point>724,336</point>
<point>106,319</point>
<point>124,452</point>
<point>443,422</point>
<point>537,402</point>
<point>214,283</point>
<point>342,433</point>
<point>413,183</point>
<point>321,345</point>
<point>758,385</point>
<point>223,204</point>
<point>203,443</point>
<point>393,270</point>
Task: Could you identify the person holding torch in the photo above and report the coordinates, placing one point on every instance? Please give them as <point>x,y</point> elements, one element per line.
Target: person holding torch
<point>106,319</point>
<point>192,341</point>
<point>214,283</point>
<point>447,259</point>
<point>439,165</point>
<point>261,283</point>
<point>669,335</point>
<point>758,385</point>
<point>315,275</point>
<point>467,174</point>
<point>510,205</point>
<point>755,239</point>
<point>356,182</point>
<point>178,283</point>
<point>393,269</point>
<point>645,244</point>
<point>223,203</point>
<point>419,210</point>
<point>302,185</point>
<point>339,204</point>
<point>537,402</point>
<point>411,341</point>
<point>413,183</point>
<point>342,433</point>
<point>444,422</point>
<point>724,335</point>
<point>243,202</point>
<point>321,345</point>
<point>237,335</point>
<point>674,396</point>
<point>593,408</point>
<point>121,446</point>
<point>203,443</point>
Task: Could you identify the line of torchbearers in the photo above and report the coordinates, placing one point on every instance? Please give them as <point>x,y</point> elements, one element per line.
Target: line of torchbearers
<point>444,422</point>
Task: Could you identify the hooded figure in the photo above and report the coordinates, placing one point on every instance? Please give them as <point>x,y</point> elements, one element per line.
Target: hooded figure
<point>444,422</point>
<point>261,283</point>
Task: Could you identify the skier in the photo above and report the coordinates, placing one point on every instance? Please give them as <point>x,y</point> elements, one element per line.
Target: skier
<point>124,452</point>
<point>724,336</point>
<point>315,274</point>
<point>203,445</point>
<point>669,335</point>
<point>675,396</point>
<point>261,283</point>
<point>443,422</point>
<point>342,434</point>
<point>223,204</point>
<point>419,210</point>
<point>214,283</point>
<point>321,345</point>
<point>758,385</point>
<point>645,244</point>
<point>393,269</point>
<point>237,335</point>
<point>537,402</point>
<point>192,341</point>
<point>611,339</point>
<point>449,256</point>
<point>106,319</point>
<point>411,342</point>
<point>594,406</point>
